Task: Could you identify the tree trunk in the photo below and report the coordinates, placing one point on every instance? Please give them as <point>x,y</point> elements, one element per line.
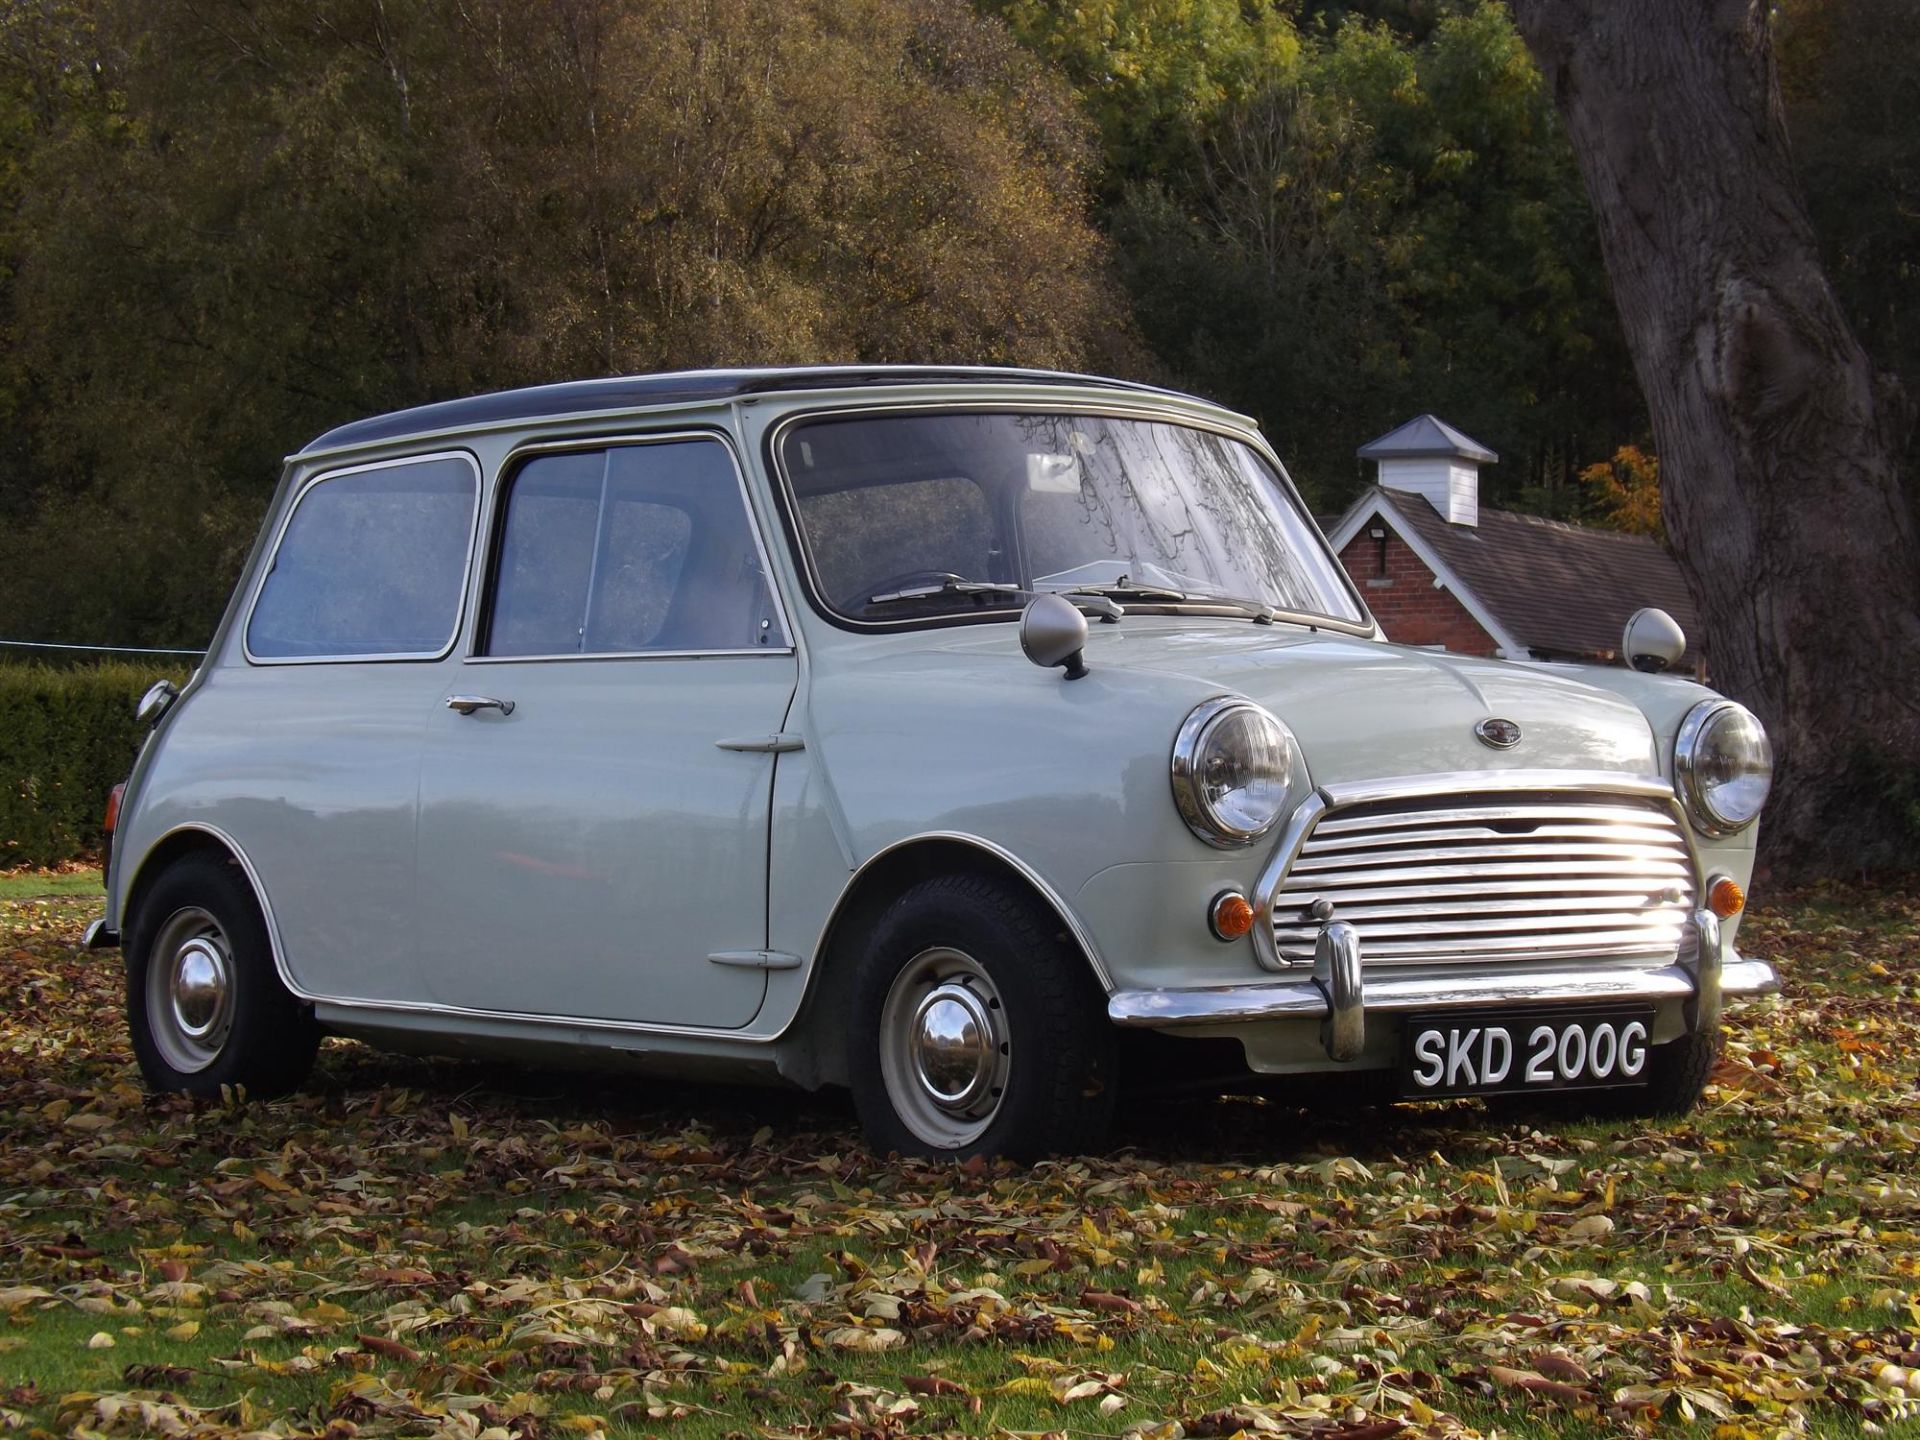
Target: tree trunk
<point>1778,442</point>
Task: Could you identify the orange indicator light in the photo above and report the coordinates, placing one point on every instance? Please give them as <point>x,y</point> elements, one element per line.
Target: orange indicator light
<point>1231,915</point>
<point>1725,898</point>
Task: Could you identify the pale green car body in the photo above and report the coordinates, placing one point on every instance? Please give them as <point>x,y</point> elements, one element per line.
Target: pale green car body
<point>667,858</point>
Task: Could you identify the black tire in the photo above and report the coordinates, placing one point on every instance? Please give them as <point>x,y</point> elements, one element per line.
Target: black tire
<point>218,969</point>
<point>1030,986</point>
<point>1677,1075</point>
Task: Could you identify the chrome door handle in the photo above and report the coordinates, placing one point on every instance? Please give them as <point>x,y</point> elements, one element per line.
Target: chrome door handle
<point>467,704</point>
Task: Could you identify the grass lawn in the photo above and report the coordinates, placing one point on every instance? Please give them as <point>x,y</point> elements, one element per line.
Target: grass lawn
<point>39,884</point>
<point>442,1249</point>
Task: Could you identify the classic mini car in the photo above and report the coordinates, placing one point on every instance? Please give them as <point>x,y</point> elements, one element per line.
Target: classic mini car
<point>959,736</point>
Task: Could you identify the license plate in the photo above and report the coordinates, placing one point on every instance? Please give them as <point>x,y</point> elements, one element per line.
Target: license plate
<point>1497,1052</point>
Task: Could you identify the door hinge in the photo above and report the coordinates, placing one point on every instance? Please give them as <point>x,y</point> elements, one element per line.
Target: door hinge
<point>755,959</point>
<point>763,744</point>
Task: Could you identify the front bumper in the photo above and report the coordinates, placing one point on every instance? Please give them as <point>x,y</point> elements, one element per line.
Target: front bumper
<point>1341,998</point>
<point>99,937</point>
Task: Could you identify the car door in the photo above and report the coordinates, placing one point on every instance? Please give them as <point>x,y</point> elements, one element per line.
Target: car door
<point>307,756</point>
<point>596,781</point>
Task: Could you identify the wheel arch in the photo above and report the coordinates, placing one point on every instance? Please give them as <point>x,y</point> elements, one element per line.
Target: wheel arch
<point>199,839</point>
<point>888,874</point>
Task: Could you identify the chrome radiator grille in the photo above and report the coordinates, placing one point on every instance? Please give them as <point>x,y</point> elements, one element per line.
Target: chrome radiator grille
<point>1500,878</point>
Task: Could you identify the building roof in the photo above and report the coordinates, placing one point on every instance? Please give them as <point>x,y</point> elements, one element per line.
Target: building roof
<point>628,392</point>
<point>1555,588</point>
<point>1424,437</point>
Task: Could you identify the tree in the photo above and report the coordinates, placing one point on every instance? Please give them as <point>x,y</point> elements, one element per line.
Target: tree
<point>303,213</point>
<point>1850,76</point>
<point>1337,224</point>
<point>1779,441</point>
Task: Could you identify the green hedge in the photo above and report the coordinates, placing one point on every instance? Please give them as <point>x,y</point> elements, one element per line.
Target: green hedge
<point>67,736</point>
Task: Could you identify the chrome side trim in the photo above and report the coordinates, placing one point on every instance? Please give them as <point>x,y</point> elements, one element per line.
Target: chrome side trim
<point>642,1027</point>
<point>200,827</point>
<point>1302,999</point>
<point>280,534</point>
<point>420,1007</point>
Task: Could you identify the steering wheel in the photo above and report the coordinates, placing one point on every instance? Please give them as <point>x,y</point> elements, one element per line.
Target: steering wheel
<point>904,580</point>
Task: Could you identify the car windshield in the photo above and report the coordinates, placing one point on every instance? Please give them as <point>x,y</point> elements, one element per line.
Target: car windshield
<point>922,515</point>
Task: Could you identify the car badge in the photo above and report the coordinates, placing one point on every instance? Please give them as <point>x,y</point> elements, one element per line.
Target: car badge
<point>1500,734</point>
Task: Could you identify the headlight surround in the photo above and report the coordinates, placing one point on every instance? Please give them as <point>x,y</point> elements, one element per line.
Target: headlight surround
<point>1232,764</point>
<point>1724,766</point>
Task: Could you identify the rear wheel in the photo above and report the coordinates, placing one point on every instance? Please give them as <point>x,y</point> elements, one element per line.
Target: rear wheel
<point>205,1006</point>
<point>976,1028</point>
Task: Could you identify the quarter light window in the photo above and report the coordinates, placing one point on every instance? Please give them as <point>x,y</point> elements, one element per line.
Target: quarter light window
<point>632,549</point>
<point>372,564</point>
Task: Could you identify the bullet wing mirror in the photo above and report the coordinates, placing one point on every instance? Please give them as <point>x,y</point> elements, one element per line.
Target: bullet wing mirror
<point>1653,641</point>
<point>1053,633</point>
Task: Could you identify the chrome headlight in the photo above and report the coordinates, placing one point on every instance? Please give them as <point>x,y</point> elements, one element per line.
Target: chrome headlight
<point>1231,764</point>
<point>1723,765</point>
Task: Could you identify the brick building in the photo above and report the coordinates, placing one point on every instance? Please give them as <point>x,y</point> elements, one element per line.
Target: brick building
<point>1437,569</point>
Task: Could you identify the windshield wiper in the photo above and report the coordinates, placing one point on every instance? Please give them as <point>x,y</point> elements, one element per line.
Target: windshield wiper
<point>1262,613</point>
<point>948,585</point>
<point>1092,601</point>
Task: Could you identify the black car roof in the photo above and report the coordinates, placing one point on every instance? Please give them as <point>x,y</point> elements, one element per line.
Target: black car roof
<point>626,392</point>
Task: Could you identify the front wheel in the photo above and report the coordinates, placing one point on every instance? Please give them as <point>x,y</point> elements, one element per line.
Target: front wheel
<point>205,1006</point>
<point>976,1029</point>
<point>1677,1075</point>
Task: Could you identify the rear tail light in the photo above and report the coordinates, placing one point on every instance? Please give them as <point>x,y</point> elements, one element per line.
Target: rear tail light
<point>114,797</point>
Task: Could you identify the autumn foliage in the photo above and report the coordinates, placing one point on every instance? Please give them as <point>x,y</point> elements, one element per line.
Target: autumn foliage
<point>442,1251</point>
<point>1626,491</point>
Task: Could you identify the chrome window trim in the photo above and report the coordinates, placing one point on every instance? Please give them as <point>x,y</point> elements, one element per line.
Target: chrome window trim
<point>573,444</point>
<point>786,650</point>
<point>1335,797</point>
<point>298,498</point>
<point>1366,628</point>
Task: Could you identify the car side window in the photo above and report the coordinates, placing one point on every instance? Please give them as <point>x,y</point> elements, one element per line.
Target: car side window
<point>371,564</point>
<point>626,550</point>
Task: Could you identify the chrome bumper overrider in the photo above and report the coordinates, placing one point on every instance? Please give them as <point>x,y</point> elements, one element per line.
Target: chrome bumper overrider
<point>1339,996</point>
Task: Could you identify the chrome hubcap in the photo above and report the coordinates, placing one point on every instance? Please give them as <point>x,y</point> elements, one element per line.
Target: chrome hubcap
<point>953,1046</point>
<point>199,987</point>
<point>190,985</point>
<point>944,1049</point>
